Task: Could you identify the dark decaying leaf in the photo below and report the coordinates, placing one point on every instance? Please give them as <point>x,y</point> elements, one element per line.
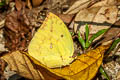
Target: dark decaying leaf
<point>17,30</point>
<point>20,26</point>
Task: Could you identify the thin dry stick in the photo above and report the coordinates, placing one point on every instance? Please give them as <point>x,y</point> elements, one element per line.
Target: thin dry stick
<point>2,23</point>
<point>116,49</point>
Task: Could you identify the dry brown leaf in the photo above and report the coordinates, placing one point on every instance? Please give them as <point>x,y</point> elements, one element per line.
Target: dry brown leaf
<point>66,18</point>
<point>83,4</point>
<point>97,18</point>
<point>78,5</point>
<point>84,67</point>
<point>18,4</point>
<point>104,3</point>
<point>28,3</point>
<point>36,2</point>
<point>115,28</point>
<point>21,64</point>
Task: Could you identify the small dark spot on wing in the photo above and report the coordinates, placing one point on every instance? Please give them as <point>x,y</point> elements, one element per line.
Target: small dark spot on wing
<point>51,45</point>
<point>60,23</point>
<point>62,35</point>
<point>51,29</point>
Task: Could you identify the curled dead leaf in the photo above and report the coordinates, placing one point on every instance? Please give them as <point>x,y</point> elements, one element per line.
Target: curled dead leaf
<point>21,64</point>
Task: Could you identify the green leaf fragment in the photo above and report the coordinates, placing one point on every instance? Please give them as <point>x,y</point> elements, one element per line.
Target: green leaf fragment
<point>86,32</point>
<point>2,3</point>
<point>72,33</point>
<point>102,71</point>
<point>113,45</point>
<point>86,35</point>
<point>95,36</point>
<point>81,40</point>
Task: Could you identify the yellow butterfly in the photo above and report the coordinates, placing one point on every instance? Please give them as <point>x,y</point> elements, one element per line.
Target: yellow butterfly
<point>52,44</point>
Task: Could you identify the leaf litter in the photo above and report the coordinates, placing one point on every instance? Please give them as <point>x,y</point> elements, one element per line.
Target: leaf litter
<point>21,24</point>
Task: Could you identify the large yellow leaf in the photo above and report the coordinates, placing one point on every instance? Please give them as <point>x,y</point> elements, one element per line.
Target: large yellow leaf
<point>84,67</point>
<point>52,44</point>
